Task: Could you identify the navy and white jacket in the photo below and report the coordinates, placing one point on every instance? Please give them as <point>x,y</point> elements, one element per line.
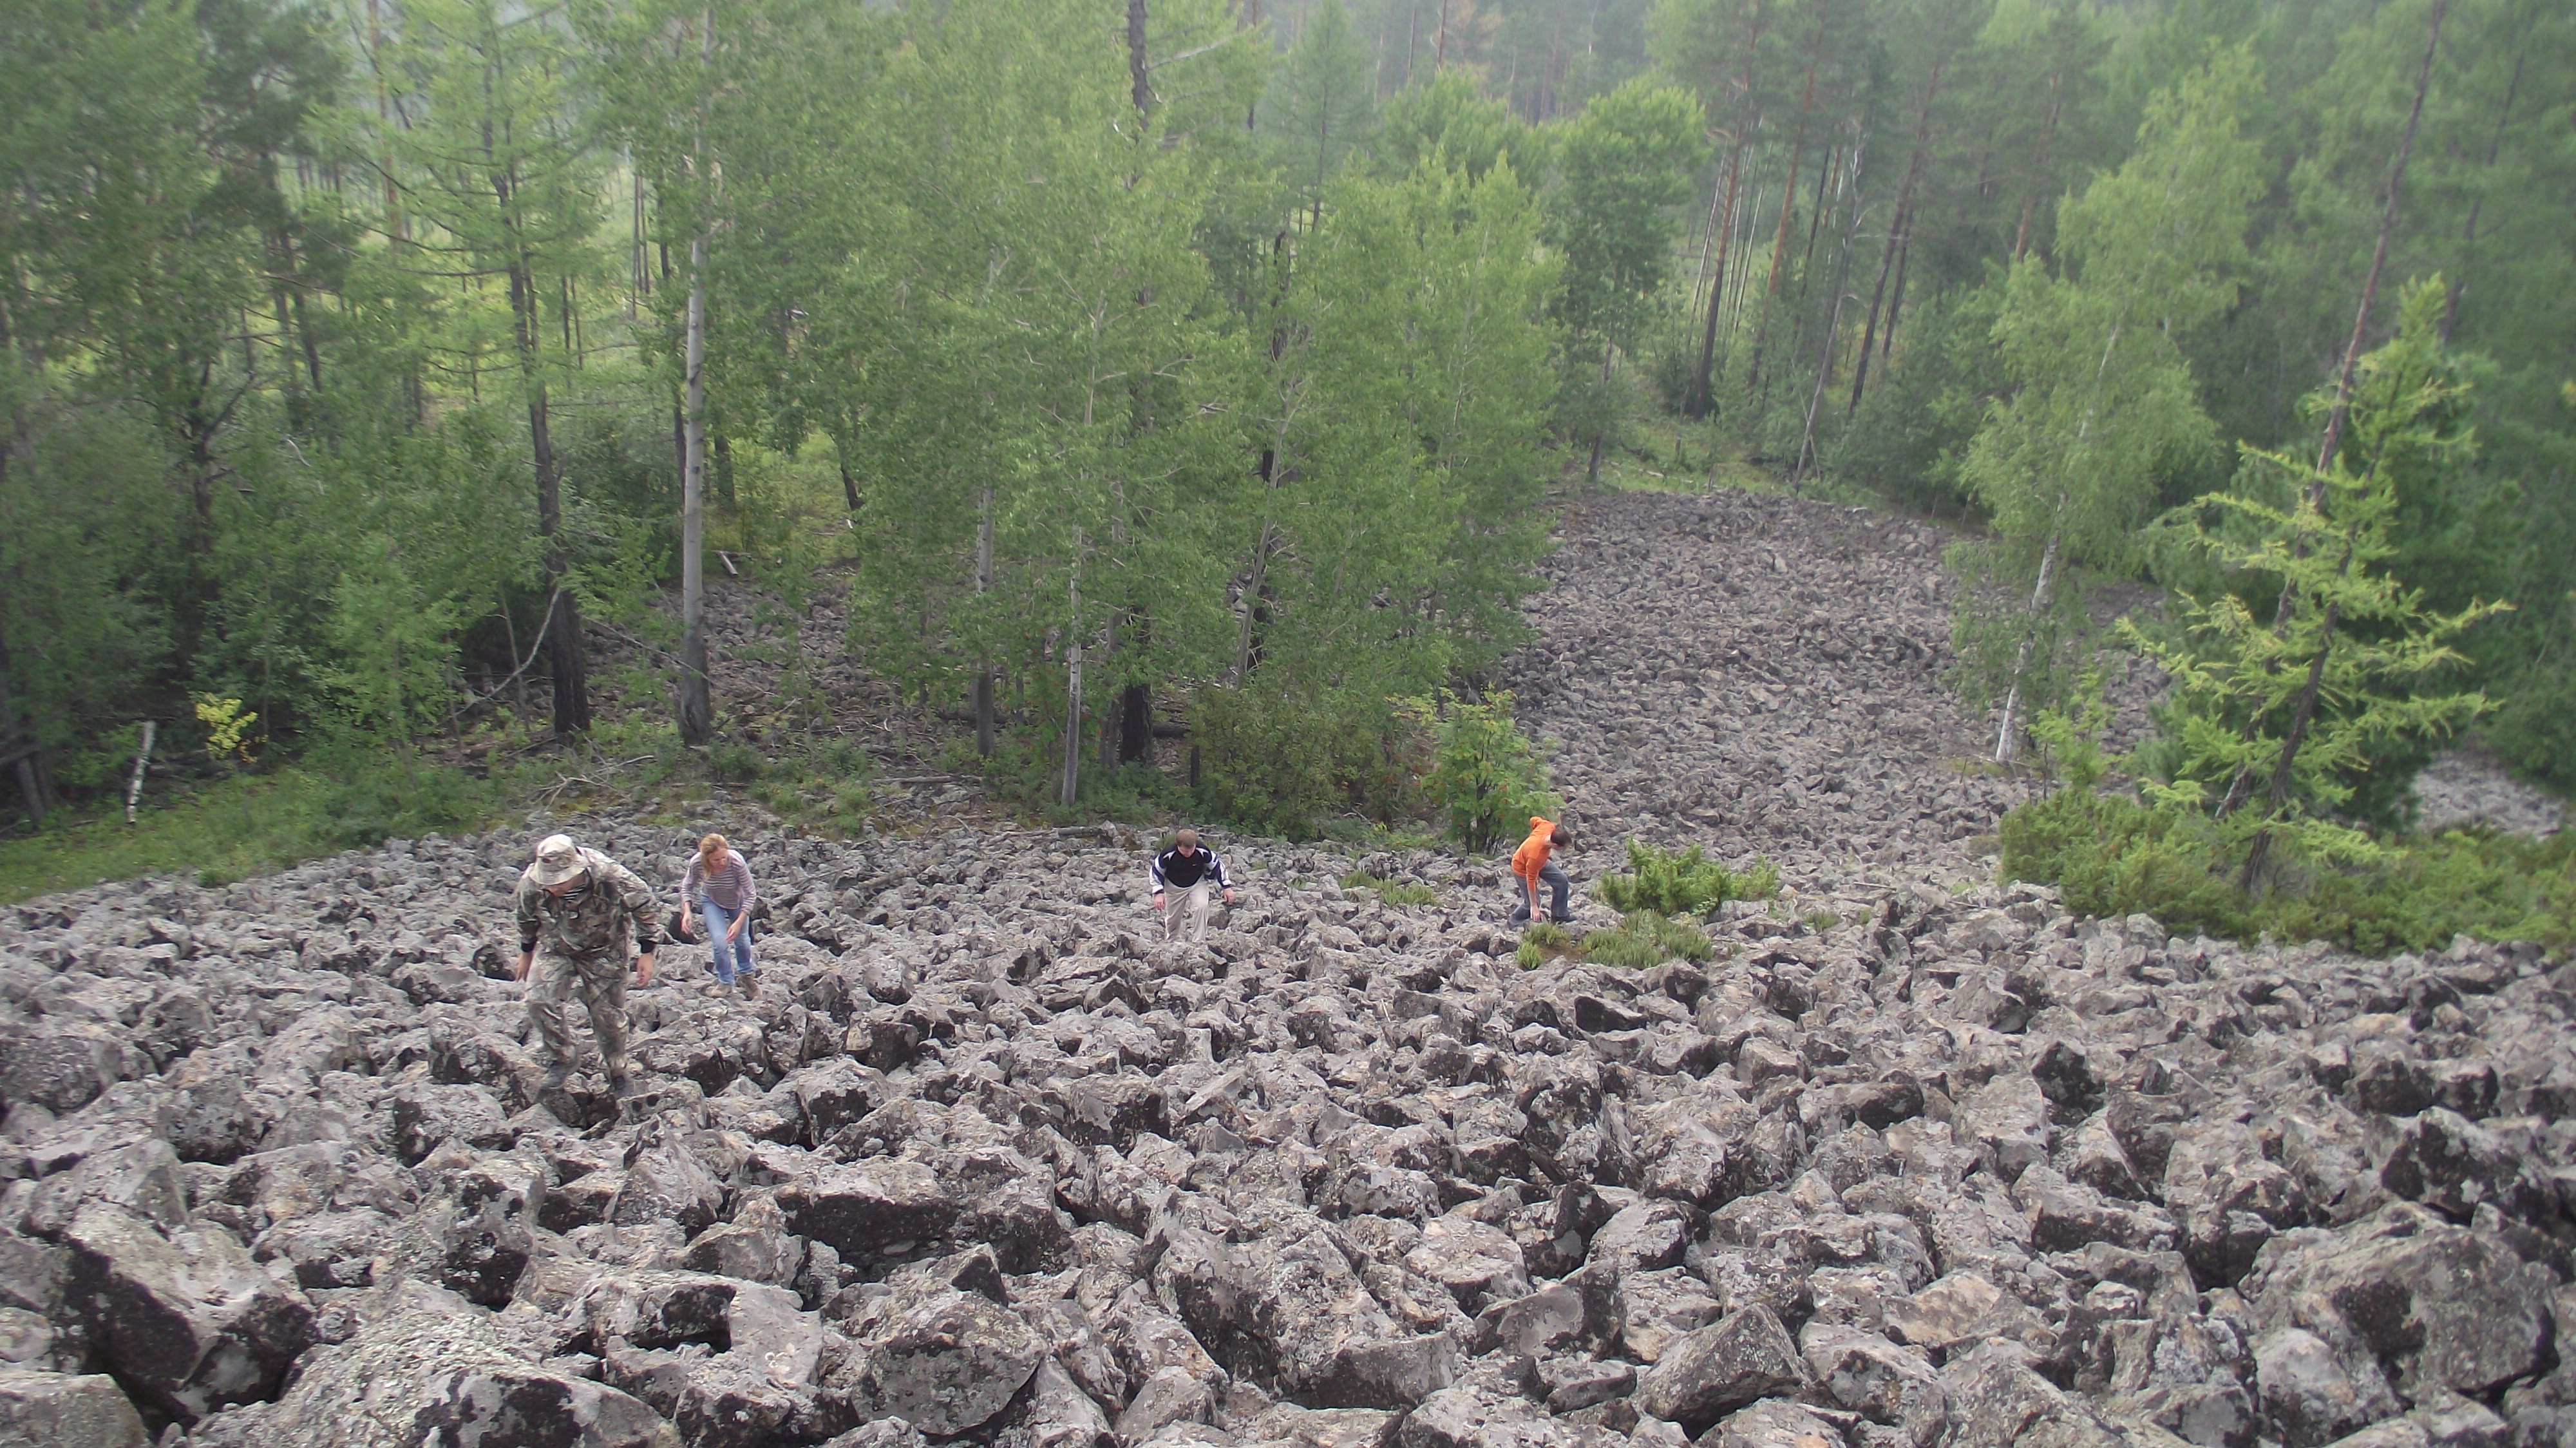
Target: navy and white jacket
<point>1181,872</point>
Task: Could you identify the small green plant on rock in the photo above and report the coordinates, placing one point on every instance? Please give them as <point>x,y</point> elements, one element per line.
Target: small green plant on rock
<point>1541,942</point>
<point>1688,883</point>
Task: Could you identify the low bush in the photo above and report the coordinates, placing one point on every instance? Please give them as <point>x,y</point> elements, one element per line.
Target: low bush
<point>1688,883</point>
<point>1648,938</point>
<point>2110,854</point>
<point>1391,892</point>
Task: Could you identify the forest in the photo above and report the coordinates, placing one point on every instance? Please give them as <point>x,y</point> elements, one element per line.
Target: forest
<point>369,364</point>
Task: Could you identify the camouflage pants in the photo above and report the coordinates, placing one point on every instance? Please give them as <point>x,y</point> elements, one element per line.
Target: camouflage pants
<point>600,984</point>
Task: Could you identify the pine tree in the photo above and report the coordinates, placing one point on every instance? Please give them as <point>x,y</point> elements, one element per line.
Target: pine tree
<point>2299,704</point>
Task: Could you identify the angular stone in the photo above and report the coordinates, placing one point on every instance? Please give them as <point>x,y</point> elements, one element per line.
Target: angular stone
<point>1773,1425</point>
<point>944,1363</point>
<point>2227,1197</point>
<point>2445,1306</point>
<point>1658,1309</point>
<point>186,1318</point>
<point>1056,1414</point>
<point>1479,1264</point>
<point>1171,1395</point>
<point>2454,1165</point>
<point>1476,1417</point>
<point>1869,1375</point>
<point>1743,1356</point>
<point>1643,1237</point>
<point>425,1367</point>
<point>55,1410</point>
<point>868,1209</point>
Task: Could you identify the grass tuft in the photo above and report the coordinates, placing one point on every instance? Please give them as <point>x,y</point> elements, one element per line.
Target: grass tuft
<point>1391,892</point>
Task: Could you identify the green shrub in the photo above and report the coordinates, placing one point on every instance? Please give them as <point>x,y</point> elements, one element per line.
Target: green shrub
<point>734,762</point>
<point>1685,884</point>
<point>1391,892</point>
<point>1686,941</point>
<point>1485,775</point>
<point>246,824</point>
<point>2111,855</point>
<point>1529,956</point>
<point>1273,758</point>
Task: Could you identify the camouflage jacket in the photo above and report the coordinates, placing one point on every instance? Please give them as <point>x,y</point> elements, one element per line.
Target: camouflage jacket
<point>590,921</point>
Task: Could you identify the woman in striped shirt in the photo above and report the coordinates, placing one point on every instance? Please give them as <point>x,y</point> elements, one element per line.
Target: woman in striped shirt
<point>719,880</point>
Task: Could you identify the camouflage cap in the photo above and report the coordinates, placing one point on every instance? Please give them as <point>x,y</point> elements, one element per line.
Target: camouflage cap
<point>558,860</point>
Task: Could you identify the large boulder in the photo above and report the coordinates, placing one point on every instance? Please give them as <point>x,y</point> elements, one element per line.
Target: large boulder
<point>945,1362</point>
<point>868,1209</point>
<point>1742,1357</point>
<point>185,1317</point>
<point>2434,1306</point>
<point>1291,1313</point>
<point>428,1368</point>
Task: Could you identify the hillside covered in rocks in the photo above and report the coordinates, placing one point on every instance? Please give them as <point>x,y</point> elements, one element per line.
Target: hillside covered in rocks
<point>1904,1166</point>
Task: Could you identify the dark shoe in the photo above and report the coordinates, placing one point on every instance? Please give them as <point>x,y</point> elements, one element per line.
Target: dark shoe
<point>557,1077</point>
<point>750,988</point>
<point>1564,919</point>
<point>621,1084</point>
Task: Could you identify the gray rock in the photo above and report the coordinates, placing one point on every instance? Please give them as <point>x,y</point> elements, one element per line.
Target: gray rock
<point>1474,1417</point>
<point>944,1362</point>
<point>56,1410</point>
<point>868,1209</point>
<point>1742,1357</point>
<point>426,1366</point>
<point>186,1318</point>
<point>2443,1306</point>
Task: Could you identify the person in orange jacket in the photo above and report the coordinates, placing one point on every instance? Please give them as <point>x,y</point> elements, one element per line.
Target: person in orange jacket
<point>1532,867</point>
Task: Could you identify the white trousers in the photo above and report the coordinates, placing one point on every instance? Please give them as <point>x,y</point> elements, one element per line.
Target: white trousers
<point>1195,901</point>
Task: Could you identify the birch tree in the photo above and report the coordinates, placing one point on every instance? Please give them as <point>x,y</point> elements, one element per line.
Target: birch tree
<point>2102,399</point>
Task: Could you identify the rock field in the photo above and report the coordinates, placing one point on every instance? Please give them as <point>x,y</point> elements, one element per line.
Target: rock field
<point>1912,1163</point>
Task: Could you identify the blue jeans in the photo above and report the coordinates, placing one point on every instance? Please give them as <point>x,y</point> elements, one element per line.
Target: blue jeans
<point>1554,879</point>
<point>731,959</point>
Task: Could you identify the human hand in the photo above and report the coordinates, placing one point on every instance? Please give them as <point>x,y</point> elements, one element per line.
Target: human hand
<point>520,972</point>
<point>686,926</point>
<point>1229,897</point>
<point>644,969</point>
<point>1158,898</point>
<point>734,931</point>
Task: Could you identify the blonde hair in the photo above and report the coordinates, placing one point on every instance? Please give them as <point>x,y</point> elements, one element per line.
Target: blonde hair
<point>711,850</point>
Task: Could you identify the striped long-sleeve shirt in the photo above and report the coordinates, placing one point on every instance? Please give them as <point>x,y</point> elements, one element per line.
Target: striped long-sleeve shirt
<point>1183,871</point>
<point>729,886</point>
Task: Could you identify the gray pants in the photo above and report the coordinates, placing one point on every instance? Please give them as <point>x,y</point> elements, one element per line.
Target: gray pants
<point>599,985</point>
<point>1554,879</point>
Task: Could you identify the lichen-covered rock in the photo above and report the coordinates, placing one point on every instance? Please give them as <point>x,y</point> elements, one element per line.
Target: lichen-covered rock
<point>184,1316</point>
<point>429,1367</point>
<point>58,1410</point>
<point>1742,1357</point>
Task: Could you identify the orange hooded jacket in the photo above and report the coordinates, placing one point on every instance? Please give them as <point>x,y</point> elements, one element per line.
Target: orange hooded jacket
<point>1531,857</point>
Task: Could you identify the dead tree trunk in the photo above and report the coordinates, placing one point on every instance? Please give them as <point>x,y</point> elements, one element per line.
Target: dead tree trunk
<point>697,710</point>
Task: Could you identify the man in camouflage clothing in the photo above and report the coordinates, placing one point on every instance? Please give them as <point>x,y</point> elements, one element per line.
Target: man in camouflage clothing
<point>583,905</point>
